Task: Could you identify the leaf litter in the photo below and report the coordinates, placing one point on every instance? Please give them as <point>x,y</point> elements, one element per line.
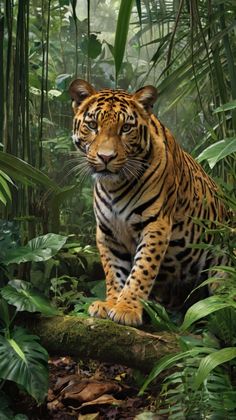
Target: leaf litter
<point>89,391</point>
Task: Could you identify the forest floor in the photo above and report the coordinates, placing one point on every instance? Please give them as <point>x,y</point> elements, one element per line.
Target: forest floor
<point>89,391</point>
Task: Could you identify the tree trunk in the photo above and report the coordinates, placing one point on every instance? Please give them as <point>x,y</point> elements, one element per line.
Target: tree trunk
<point>103,340</point>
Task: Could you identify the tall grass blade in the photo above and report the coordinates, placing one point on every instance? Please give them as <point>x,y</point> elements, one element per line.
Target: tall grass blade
<point>121,33</point>
<point>203,308</point>
<point>211,361</point>
<point>168,361</point>
<point>218,151</point>
<point>24,172</point>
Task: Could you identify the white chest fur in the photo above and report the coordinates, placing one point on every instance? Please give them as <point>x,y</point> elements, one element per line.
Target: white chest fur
<point>123,232</point>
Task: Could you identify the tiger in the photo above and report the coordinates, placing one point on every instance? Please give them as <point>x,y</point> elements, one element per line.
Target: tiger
<point>148,193</point>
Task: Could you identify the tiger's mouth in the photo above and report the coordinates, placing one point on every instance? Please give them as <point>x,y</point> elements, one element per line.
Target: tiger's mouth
<point>106,174</point>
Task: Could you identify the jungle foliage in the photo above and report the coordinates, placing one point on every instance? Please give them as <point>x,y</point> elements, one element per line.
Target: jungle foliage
<point>187,50</point>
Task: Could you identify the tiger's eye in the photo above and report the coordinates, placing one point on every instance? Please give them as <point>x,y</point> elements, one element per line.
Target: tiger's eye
<point>126,127</point>
<point>92,124</point>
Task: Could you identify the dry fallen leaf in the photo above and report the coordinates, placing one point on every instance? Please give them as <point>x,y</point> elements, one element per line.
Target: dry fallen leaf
<point>62,361</point>
<point>50,396</point>
<point>89,390</point>
<point>55,405</point>
<point>92,416</point>
<point>66,380</point>
<point>104,399</point>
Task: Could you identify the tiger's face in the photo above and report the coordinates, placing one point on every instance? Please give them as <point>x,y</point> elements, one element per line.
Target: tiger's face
<point>111,129</point>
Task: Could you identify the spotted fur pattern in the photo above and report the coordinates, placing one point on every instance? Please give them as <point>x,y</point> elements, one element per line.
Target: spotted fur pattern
<point>147,192</point>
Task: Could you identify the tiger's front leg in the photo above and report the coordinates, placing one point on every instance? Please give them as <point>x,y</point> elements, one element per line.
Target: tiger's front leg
<point>116,263</point>
<point>149,254</point>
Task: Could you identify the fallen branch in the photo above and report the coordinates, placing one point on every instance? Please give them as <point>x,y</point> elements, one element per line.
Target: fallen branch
<point>103,340</point>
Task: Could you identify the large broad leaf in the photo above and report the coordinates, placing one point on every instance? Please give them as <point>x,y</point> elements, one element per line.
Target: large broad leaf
<point>203,308</point>
<point>24,361</point>
<point>211,361</point>
<point>91,46</point>
<point>25,173</point>
<point>122,28</point>
<point>41,248</point>
<point>218,151</point>
<point>5,193</point>
<point>24,297</point>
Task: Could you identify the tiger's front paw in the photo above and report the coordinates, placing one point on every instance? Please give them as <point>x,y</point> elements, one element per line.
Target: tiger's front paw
<point>100,309</point>
<point>127,313</point>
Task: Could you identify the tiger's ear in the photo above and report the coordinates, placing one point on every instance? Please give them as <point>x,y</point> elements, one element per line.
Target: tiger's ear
<point>146,96</point>
<point>79,90</point>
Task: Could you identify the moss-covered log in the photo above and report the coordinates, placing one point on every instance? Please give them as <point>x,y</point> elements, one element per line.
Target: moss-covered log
<point>103,340</point>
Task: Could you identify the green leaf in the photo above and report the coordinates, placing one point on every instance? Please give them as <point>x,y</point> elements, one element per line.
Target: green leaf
<point>24,361</point>
<point>158,315</point>
<point>210,280</point>
<point>5,193</point>
<point>218,151</point>
<point>225,107</point>
<point>122,28</point>
<point>53,93</point>
<point>211,361</point>
<point>41,248</point>
<point>24,297</point>
<point>224,269</point>
<point>203,308</point>
<point>139,10</point>
<point>62,81</point>
<point>25,173</point>
<point>91,46</point>
<point>6,177</point>
<point>168,361</point>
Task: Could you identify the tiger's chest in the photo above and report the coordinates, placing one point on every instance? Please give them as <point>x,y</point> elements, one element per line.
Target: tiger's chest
<point>119,219</point>
<point>123,232</point>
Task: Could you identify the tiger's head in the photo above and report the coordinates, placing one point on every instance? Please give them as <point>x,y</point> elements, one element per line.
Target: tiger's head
<point>111,129</point>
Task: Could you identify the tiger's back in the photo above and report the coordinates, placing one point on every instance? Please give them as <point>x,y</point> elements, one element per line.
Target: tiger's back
<point>147,193</point>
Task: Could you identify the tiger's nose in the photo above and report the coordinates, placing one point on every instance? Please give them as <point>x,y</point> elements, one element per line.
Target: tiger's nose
<point>106,158</point>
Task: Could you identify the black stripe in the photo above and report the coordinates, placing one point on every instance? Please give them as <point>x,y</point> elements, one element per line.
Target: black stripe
<point>140,247</point>
<point>141,131</point>
<point>122,269</point>
<point>107,204</point>
<point>155,127</point>
<point>172,189</point>
<point>105,229</point>
<point>119,188</point>
<point>98,209</point>
<point>141,186</point>
<point>188,261</point>
<point>125,192</point>
<point>78,125</point>
<point>121,255</point>
<point>139,210</point>
<point>184,253</point>
<point>141,225</point>
<point>213,209</point>
<point>186,187</point>
<point>168,268</point>
<point>177,242</point>
<point>145,132</point>
<point>178,225</point>
<point>192,234</point>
